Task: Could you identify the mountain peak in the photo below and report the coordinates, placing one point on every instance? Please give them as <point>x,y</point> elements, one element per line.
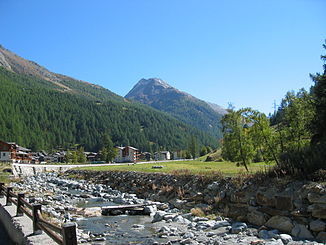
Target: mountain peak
<point>153,82</point>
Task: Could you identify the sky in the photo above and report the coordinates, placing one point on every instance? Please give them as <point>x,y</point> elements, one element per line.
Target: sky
<point>248,53</point>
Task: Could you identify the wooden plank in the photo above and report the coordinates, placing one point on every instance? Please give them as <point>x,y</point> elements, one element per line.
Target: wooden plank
<point>125,206</point>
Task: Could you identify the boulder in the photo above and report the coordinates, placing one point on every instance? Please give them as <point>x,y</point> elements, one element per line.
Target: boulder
<point>158,216</point>
<point>238,227</point>
<point>318,210</point>
<point>317,225</point>
<point>321,237</point>
<point>301,231</point>
<point>265,199</point>
<point>257,218</point>
<point>281,223</point>
<point>285,238</point>
<point>239,197</point>
<point>316,198</point>
<point>284,202</point>
<point>93,212</point>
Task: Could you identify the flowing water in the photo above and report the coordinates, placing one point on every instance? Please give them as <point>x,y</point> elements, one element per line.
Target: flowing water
<point>120,229</point>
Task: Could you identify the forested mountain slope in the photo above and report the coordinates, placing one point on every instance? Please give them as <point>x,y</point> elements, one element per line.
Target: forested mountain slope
<point>43,110</point>
<point>185,107</point>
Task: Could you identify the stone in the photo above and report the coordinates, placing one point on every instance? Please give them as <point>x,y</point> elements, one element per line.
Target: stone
<point>138,226</point>
<point>164,229</point>
<point>219,224</point>
<point>213,186</point>
<point>321,237</point>
<point>281,223</point>
<point>317,225</point>
<point>285,238</point>
<point>239,197</point>
<point>318,210</point>
<point>273,234</point>
<point>92,212</point>
<point>265,199</point>
<point>263,234</point>
<point>274,242</point>
<point>273,211</point>
<point>150,209</point>
<point>316,198</point>
<point>257,218</point>
<point>284,202</point>
<point>158,216</point>
<point>238,227</point>
<point>301,231</point>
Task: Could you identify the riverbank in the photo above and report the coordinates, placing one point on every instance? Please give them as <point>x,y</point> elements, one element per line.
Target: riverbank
<point>294,207</point>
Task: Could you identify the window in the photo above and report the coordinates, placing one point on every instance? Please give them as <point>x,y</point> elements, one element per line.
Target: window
<point>4,154</point>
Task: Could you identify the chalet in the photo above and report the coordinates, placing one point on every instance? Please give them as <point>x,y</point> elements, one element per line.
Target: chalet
<point>92,156</point>
<point>127,154</point>
<point>11,152</point>
<point>146,156</point>
<point>162,155</point>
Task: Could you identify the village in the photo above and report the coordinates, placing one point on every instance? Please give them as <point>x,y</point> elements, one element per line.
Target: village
<point>11,152</point>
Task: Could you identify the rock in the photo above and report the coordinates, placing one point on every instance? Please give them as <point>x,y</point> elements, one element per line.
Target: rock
<point>164,229</point>
<point>189,241</point>
<point>281,223</point>
<point>301,231</point>
<point>316,198</point>
<point>317,225</point>
<point>239,197</point>
<point>318,210</point>
<point>150,209</point>
<point>285,238</point>
<point>214,186</point>
<point>263,234</point>
<point>265,199</point>
<point>238,227</point>
<point>92,212</point>
<point>274,242</point>
<point>158,216</point>
<point>138,226</point>
<point>180,219</point>
<point>256,218</point>
<point>284,202</point>
<point>321,237</point>
<point>219,224</point>
<point>188,235</point>
<point>273,234</point>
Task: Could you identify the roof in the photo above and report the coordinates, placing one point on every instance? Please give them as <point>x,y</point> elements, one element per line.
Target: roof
<point>133,148</point>
<point>20,148</point>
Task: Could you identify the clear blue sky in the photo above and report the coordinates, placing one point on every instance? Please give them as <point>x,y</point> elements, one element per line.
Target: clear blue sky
<point>248,52</point>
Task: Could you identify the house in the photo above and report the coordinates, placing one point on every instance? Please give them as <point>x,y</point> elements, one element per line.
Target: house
<point>11,152</point>
<point>127,154</point>
<point>146,156</point>
<point>92,156</point>
<point>162,155</point>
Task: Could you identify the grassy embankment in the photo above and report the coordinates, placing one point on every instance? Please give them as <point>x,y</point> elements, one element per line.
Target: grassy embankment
<point>4,174</point>
<point>191,167</point>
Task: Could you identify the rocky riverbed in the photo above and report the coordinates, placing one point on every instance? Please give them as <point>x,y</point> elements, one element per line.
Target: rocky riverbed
<point>80,201</point>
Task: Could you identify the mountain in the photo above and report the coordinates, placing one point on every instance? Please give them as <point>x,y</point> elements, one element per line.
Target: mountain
<point>40,109</point>
<point>183,106</point>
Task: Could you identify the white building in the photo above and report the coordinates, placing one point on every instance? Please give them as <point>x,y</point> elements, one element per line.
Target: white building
<point>127,154</point>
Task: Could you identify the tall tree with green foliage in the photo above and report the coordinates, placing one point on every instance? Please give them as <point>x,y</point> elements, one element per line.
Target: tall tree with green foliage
<point>193,147</point>
<point>237,142</point>
<point>81,157</point>
<point>319,93</point>
<point>108,151</point>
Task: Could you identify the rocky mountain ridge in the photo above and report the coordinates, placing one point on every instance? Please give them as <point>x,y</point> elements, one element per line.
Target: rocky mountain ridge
<point>160,95</point>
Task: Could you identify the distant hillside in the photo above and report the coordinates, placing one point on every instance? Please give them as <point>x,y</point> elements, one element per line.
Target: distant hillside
<point>44,110</point>
<point>185,107</point>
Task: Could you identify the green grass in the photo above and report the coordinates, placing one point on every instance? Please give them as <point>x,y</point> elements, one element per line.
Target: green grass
<point>193,167</point>
<point>4,176</point>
